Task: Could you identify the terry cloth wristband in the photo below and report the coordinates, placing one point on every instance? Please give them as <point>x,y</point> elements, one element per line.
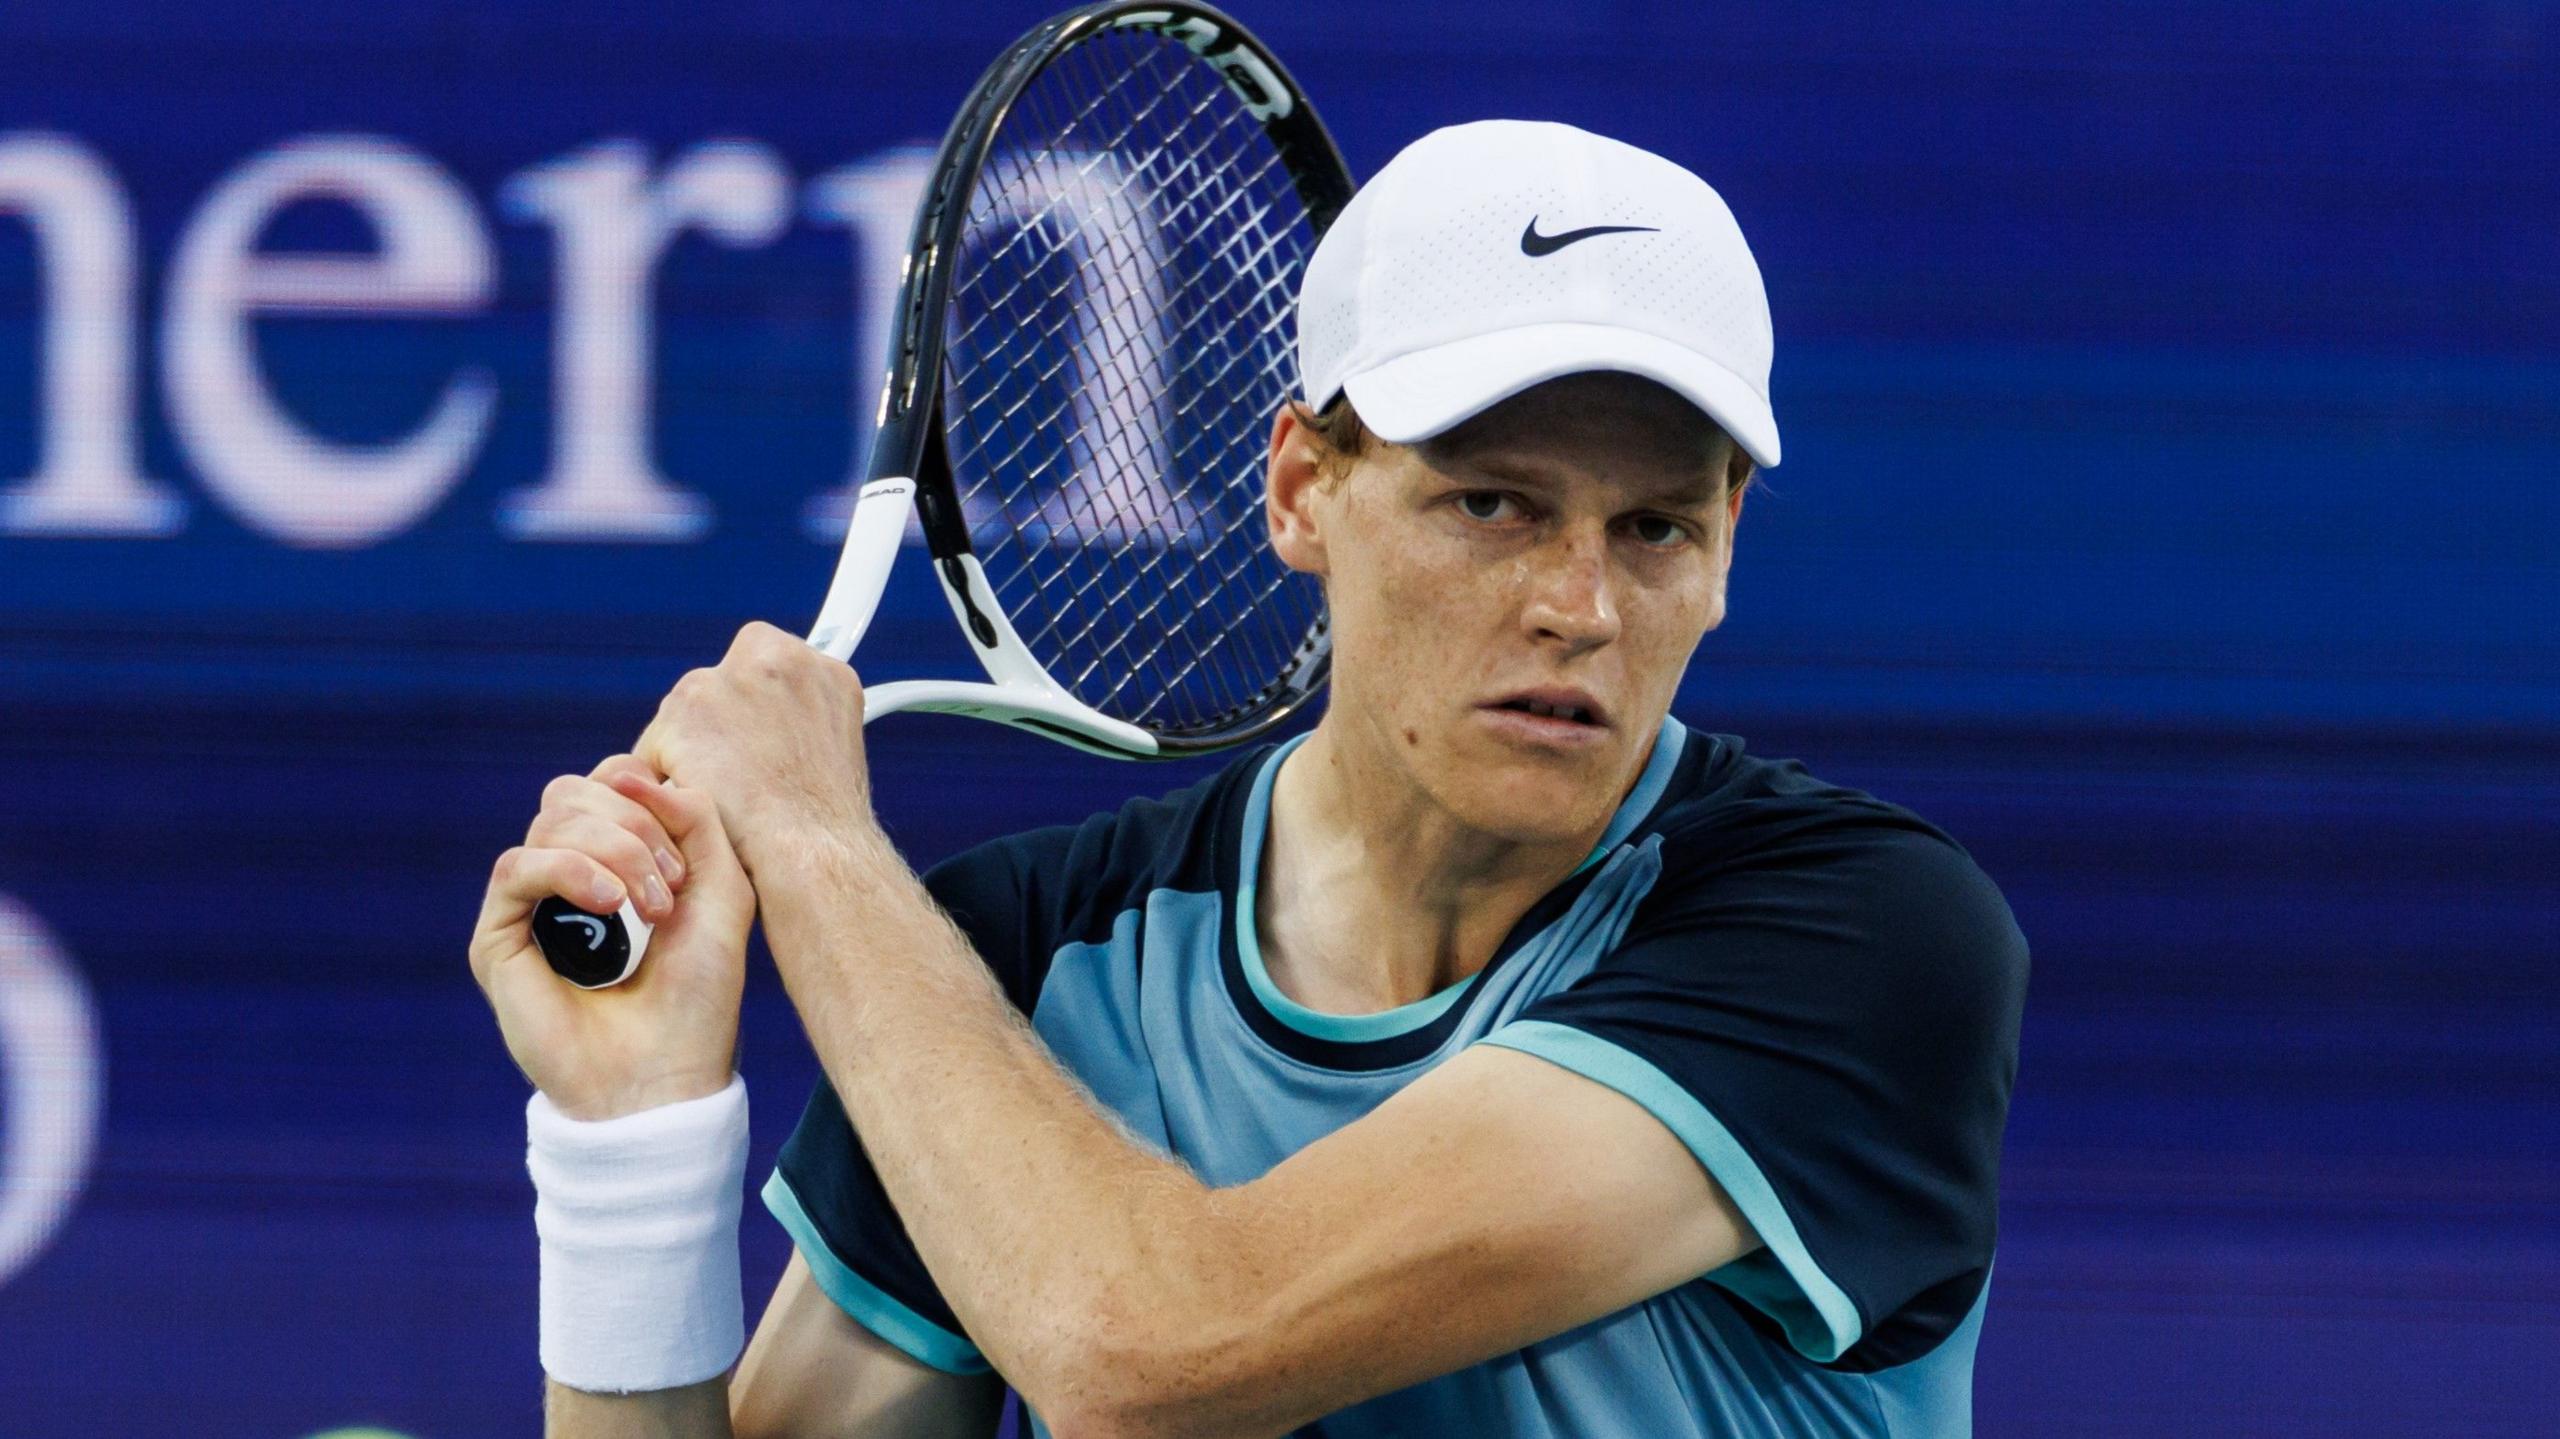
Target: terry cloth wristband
<point>638,1218</point>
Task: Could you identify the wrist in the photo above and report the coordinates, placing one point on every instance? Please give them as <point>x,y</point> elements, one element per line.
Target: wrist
<point>790,844</point>
<point>817,869</point>
<point>599,1104</point>
<point>638,1221</point>
<point>841,907</point>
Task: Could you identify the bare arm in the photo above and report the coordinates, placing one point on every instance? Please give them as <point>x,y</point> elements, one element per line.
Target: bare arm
<point>698,1411</point>
<point>1493,1202</point>
<point>809,1373</point>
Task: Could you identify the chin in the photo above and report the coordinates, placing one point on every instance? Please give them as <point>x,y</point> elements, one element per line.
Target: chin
<point>1533,804</point>
<point>1530,793</point>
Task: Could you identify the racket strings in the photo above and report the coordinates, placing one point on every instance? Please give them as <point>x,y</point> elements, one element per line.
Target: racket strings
<point>1059,322</point>
<point>1132,667</point>
<point>1118,342</point>
<point>1008,463</point>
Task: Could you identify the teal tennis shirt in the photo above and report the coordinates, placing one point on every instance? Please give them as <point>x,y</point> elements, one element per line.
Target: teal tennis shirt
<point>1814,990</point>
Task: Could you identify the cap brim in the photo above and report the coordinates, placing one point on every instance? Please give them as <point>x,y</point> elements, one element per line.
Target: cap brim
<point>1416,396</point>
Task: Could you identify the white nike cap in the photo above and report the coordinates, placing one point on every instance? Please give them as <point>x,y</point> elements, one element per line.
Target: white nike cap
<point>1490,257</point>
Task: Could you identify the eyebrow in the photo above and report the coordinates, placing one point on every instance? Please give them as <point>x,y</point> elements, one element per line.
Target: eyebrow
<point>1702,489</point>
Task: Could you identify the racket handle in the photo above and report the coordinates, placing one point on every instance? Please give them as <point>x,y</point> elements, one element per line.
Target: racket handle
<point>591,951</point>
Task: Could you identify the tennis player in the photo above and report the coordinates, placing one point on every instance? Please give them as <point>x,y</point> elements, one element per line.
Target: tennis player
<point>1504,1057</point>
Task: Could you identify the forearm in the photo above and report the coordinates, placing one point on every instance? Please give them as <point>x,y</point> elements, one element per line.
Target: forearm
<point>1054,1236</point>
<point>697,1411</point>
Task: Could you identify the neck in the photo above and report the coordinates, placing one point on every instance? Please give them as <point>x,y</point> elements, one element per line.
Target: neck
<point>1372,893</point>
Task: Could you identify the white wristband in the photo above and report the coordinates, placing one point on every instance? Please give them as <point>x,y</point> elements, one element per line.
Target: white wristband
<point>638,1218</point>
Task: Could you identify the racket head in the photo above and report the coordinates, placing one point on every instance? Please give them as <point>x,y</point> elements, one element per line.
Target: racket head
<point>1094,332</point>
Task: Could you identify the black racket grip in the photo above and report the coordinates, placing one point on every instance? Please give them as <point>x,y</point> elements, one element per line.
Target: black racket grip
<point>591,951</point>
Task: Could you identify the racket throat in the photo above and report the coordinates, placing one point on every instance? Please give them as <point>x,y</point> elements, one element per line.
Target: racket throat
<point>964,603</point>
<point>1001,652</point>
<point>1024,694</point>
<point>1046,713</point>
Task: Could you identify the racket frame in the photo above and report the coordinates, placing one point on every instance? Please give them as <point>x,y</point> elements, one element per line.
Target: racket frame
<point>910,469</point>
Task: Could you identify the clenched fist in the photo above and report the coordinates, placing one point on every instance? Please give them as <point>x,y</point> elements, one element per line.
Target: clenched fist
<point>670,1032</point>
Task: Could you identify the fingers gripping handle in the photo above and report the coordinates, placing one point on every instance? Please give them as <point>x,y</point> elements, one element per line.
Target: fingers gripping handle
<point>591,951</point>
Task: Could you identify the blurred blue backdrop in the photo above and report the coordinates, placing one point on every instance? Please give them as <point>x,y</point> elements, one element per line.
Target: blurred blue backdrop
<point>2172,403</point>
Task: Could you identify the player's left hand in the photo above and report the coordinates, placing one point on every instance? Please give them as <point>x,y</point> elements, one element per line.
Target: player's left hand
<point>671,1033</point>
<point>773,733</point>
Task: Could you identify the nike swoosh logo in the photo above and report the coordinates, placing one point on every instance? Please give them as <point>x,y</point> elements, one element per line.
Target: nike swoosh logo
<point>1533,244</point>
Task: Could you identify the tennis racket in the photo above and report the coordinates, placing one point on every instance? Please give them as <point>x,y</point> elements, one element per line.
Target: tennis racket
<point>1093,334</point>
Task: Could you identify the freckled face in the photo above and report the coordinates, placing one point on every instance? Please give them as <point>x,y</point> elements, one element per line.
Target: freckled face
<point>1513,603</point>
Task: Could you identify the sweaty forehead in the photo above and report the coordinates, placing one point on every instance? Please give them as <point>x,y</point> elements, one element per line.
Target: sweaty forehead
<point>1621,417</point>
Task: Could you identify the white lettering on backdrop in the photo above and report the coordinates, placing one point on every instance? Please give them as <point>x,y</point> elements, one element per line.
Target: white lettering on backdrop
<point>52,1086</point>
<point>87,480</point>
<point>614,225</point>
<point>432,258</point>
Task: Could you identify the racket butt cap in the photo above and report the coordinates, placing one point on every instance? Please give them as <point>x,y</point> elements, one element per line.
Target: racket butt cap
<point>591,951</point>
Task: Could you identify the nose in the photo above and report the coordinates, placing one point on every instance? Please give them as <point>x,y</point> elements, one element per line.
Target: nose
<point>1569,599</point>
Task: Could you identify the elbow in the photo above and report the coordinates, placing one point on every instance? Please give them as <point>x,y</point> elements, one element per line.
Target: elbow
<point>1080,1423</point>
<point>1117,1374</point>
<point>1116,1411</point>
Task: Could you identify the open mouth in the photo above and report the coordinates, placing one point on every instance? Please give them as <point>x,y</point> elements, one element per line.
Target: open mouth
<point>1547,711</point>
<point>1571,713</point>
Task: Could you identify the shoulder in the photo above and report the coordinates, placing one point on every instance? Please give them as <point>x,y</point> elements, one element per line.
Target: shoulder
<point>1729,808</point>
<point>1022,896</point>
<point>1829,887</point>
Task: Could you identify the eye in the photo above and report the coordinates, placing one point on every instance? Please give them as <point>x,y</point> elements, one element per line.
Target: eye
<point>1659,532</point>
<point>1486,505</point>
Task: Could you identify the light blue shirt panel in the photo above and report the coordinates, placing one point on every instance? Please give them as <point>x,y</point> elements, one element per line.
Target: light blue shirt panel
<point>1191,1076</point>
<point>1089,1016</point>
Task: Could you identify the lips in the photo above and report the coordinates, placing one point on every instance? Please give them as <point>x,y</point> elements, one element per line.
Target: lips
<point>1572,706</point>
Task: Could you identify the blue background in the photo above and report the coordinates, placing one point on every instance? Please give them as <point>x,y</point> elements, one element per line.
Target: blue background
<point>2172,405</point>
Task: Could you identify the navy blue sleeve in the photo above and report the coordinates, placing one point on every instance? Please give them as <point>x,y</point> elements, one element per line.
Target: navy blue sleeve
<point>1829,1021</point>
<point>825,1191</point>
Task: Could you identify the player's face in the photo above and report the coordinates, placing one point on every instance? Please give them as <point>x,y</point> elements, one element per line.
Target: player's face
<point>1513,603</point>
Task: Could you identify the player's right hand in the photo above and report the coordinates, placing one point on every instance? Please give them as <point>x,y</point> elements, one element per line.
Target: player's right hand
<point>670,1032</point>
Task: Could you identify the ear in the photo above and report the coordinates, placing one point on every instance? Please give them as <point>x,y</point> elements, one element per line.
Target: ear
<point>1739,468</point>
<point>1293,492</point>
<point>1737,480</point>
